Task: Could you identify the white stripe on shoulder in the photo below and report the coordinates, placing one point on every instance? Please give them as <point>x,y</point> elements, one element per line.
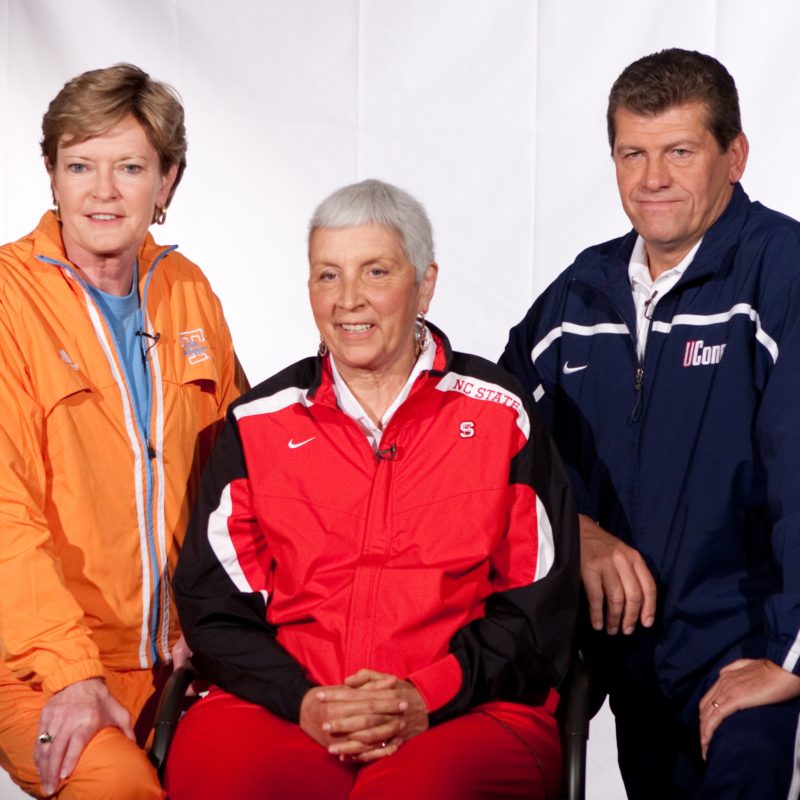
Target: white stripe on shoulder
<point>790,662</point>
<point>272,403</point>
<point>546,549</point>
<point>578,330</point>
<point>487,392</point>
<point>724,316</point>
<point>220,540</point>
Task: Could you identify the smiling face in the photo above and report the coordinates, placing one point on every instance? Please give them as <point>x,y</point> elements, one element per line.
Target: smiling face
<point>365,297</point>
<point>107,188</point>
<point>673,180</point>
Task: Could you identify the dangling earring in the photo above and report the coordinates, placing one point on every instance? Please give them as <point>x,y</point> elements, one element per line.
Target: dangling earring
<point>159,215</point>
<point>421,336</point>
<point>322,350</point>
<point>57,211</point>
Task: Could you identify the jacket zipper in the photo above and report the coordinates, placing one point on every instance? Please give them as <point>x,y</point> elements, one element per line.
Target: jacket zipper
<point>147,501</point>
<point>359,637</point>
<point>638,380</point>
<point>638,375</point>
<point>159,585</point>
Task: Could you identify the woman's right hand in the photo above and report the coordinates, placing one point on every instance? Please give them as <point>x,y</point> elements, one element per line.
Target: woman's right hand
<point>330,714</point>
<point>415,714</point>
<point>365,719</point>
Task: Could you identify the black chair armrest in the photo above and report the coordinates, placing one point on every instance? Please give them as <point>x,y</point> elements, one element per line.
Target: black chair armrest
<point>170,707</point>
<point>574,715</point>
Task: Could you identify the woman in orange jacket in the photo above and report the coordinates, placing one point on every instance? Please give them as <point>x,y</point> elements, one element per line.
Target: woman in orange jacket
<point>116,365</point>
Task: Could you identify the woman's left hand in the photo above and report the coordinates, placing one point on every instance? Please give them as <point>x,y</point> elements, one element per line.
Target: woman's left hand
<point>361,745</point>
<point>745,683</point>
<point>329,714</point>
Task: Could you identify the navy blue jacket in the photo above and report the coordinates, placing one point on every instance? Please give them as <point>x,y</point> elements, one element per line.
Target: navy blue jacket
<point>693,455</point>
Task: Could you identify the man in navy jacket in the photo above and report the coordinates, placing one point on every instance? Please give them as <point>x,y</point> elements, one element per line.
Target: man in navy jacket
<point>667,365</point>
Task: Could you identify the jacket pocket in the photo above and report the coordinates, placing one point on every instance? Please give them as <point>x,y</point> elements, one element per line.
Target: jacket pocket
<point>58,379</point>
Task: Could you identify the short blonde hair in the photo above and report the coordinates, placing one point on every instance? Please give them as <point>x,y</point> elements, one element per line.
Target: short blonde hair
<point>97,100</point>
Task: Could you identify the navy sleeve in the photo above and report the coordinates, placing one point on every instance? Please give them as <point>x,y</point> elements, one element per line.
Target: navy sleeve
<point>531,355</point>
<point>778,440</point>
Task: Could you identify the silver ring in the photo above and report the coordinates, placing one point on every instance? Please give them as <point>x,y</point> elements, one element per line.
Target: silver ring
<point>715,704</point>
<point>385,743</point>
<point>45,737</point>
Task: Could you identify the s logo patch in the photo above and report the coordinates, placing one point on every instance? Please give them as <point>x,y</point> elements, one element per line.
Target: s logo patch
<point>466,430</point>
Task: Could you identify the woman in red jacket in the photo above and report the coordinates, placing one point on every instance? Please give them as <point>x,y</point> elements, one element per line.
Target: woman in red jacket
<point>380,577</point>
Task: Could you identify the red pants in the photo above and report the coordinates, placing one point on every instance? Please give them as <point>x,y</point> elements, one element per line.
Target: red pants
<point>226,747</point>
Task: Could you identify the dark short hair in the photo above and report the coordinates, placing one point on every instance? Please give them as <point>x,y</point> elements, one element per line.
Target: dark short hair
<point>97,100</point>
<point>669,78</point>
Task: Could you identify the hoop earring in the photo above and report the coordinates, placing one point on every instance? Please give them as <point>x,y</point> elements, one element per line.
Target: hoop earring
<point>322,350</point>
<point>159,215</point>
<point>422,337</point>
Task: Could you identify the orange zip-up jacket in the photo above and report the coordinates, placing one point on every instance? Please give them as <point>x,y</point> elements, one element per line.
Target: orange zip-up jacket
<point>93,507</point>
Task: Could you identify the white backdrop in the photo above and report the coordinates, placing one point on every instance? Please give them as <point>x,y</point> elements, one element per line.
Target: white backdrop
<point>492,112</point>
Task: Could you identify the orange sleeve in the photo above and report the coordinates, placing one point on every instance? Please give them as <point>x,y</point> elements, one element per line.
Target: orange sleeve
<point>233,381</point>
<point>43,636</point>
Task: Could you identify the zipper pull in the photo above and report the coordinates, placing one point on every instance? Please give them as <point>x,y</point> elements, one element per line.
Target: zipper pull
<point>637,385</point>
<point>151,453</point>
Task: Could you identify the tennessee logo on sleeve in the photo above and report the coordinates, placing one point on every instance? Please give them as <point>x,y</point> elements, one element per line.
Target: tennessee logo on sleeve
<point>194,345</point>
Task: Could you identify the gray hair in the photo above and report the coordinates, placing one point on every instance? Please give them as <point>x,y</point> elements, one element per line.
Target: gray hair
<point>374,202</point>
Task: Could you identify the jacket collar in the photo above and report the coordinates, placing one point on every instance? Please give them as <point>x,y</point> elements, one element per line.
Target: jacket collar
<point>444,353</point>
<point>47,242</point>
<point>321,388</point>
<point>608,274</point>
<point>48,246</point>
<point>717,241</point>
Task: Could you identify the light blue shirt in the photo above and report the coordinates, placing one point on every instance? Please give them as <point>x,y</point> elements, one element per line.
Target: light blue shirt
<point>125,319</point>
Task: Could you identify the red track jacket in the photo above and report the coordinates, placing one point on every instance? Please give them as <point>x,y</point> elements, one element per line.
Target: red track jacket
<point>450,559</point>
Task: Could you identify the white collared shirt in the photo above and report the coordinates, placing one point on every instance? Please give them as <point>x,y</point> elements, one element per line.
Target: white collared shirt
<point>348,403</point>
<point>647,292</point>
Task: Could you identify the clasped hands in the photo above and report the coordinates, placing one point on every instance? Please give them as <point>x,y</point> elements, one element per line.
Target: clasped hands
<point>365,718</point>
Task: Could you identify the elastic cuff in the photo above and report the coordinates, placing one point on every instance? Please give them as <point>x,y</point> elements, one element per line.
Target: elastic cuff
<point>438,683</point>
<point>287,703</point>
<point>586,508</point>
<point>788,659</point>
<point>72,673</point>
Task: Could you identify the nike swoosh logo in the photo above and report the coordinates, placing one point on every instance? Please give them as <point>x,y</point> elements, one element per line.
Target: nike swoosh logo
<point>568,370</point>
<point>294,445</point>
